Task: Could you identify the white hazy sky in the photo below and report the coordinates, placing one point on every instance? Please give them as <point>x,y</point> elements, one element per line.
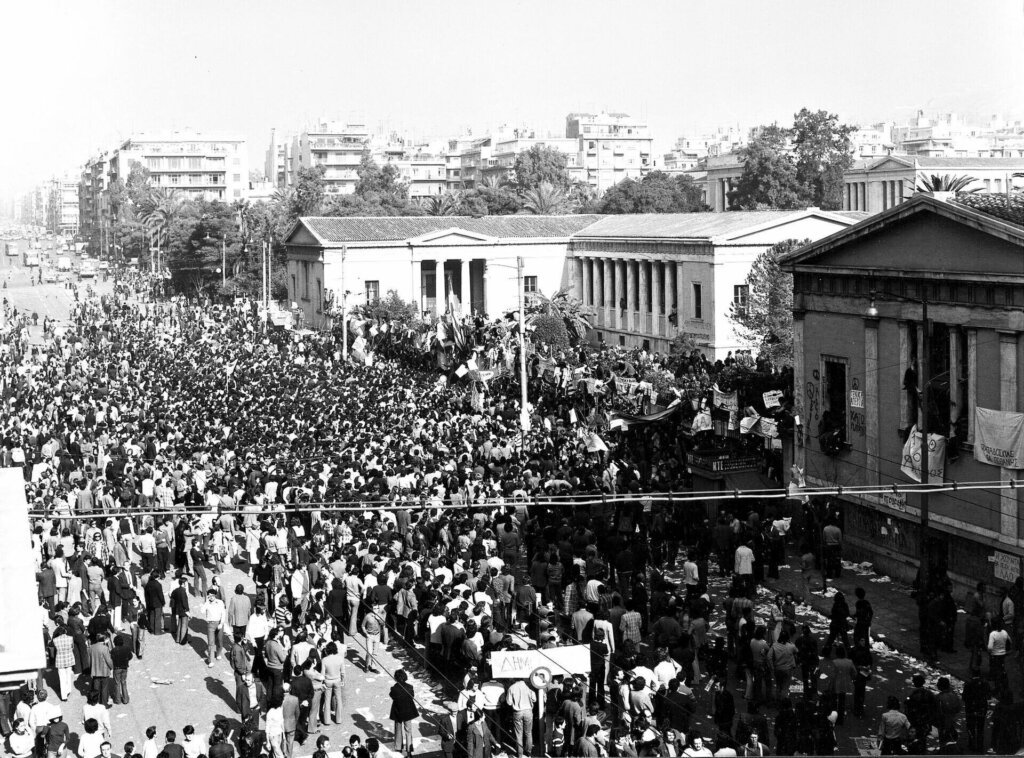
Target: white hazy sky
<point>80,75</point>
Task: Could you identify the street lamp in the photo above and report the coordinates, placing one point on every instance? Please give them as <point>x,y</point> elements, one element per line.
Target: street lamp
<point>223,258</point>
<point>924,552</point>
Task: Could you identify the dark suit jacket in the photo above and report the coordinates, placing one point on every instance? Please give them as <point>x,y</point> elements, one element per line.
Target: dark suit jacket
<point>154,593</point>
<point>179,601</point>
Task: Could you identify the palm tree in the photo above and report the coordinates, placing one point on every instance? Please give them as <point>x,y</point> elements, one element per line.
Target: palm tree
<point>162,206</point>
<point>441,205</point>
<point>564,306</point>
<point>545,200</point>
<point>946,183</point>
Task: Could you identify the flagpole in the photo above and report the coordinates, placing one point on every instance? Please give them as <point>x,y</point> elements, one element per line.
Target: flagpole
<point>344,316</point>
<point>524,414</point>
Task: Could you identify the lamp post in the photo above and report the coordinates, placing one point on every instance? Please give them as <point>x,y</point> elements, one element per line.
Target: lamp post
<point>924,548</point>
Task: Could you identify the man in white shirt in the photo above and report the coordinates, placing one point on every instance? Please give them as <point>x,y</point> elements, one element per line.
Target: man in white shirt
<point>214,614</point>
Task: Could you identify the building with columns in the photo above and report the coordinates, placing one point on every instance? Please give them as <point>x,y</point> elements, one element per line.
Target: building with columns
<point>859,354</point>
<point>646,278</point>
<point>426,259</point>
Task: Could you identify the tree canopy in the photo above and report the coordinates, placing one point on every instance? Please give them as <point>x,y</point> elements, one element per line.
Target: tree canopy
<point>769,178</point>
<point>655,193</point>
<point>767,319</point>
<point>540,164</point>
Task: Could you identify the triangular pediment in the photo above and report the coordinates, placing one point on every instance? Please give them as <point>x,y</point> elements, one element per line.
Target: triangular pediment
<point>301,234</point>
<point>453,236</point>
<point>925,234</point>
<point>891,163</point>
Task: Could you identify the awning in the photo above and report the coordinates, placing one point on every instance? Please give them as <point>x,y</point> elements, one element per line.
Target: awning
<point>626,420</point>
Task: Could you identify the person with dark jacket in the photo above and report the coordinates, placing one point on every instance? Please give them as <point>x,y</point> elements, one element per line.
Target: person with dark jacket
<point>922,711</point>
<point>976,694</point>
<point>403,712</point>
<point>180,611</point>
<point>336,604</point>
<point>155,601</point>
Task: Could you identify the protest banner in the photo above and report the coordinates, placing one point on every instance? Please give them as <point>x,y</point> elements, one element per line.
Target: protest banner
<point>999,438</point>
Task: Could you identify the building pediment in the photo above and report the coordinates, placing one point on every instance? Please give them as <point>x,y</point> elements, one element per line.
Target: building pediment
<point>450,237</point>
<point>891,163</point>
<point>925,234</point>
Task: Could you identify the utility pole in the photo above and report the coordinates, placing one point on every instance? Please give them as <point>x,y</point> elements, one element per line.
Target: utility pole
<point>524,413</point>
<point>223,262</point>
<point>344,314</point>
<point>263,285</point>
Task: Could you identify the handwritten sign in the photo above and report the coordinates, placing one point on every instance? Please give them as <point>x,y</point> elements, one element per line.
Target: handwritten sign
<point>519,664</point>
<point>772,399</point>
<point>1005,566</point>
<point>856,398</point>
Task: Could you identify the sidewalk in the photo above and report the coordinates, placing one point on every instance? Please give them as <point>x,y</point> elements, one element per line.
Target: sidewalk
<point>895,621</point>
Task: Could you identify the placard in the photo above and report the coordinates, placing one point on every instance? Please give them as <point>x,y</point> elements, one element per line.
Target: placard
<point>1005,566</point>
<point>856,398</point>
<point>519,664</point>
<point>772,399</point>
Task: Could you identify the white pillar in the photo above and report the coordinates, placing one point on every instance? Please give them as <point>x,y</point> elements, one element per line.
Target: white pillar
<point>608,293</point>
<point>631,304</point>
<point>657,306</point>
<point>972,381</point>
<point>871,400</point>
<point>577,278</point>
<point>645,301</point>
<point>466,296</point>
<point>799,406</point>
<point>620,293</point>
<point>683,312</point>
<point>439,291</point>
<point>588,282</point>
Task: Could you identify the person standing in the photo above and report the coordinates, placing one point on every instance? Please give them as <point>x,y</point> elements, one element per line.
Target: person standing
<point>893,728</point>
<point>354,588</point>
<point>239,610</point>
<point>832,548</point>
<point>155,602</point>
<point>521,698</point>
<point>372,629</point>
<point>976,695</point>
<point>120,657</point>
<point>334,678</point>
<point>403,712</point>
<point>290,708</point>
<point>101,666</point>
<point>64,661</point>
<point>214,614</point>
<point>275,726</point>
<point>180,612</point>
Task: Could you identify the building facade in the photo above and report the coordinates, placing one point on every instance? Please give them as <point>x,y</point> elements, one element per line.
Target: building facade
<point>197,165</point>
<point>338,148</point>
<point>611,147</point>
<point>647,278</point>
<point>859,365</point>
<point>425,260</point>
<point>277,164</point>
<point>62,206</point>
<point>877,184</point>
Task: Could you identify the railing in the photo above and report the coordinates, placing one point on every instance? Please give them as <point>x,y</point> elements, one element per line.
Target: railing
<point>723,461</point>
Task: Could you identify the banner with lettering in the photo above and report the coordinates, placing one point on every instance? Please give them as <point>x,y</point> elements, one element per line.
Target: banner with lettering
<point>911,465</point>
<point>999,438</point>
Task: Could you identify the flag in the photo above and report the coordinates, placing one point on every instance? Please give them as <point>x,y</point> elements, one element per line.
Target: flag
<point>572,416</point>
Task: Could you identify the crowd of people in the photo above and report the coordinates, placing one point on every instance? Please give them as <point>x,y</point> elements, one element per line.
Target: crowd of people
<point>378,506</point>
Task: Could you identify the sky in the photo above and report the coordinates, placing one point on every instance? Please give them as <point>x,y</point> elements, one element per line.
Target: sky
<point>80,76</point>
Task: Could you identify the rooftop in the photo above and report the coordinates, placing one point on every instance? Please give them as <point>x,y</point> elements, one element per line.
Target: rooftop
<point>1007,208</point>
<point>703,225</point>
<point>392,228</point>
<point>932,162</point>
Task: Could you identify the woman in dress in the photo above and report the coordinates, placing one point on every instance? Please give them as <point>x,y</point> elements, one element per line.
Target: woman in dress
<point>403,712</point>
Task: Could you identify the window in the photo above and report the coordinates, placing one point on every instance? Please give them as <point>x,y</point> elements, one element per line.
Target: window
<point>372,291</point>
<point>153,164</point>
<point>834,394</point>
<point>195,163</point>
<point>214,179</point>
<point>740,298</point>
<point>174,163</point>
<point>529,287</point>
<point>698,301</point>
<point>319,296</point>
<point>175,178</point>
<point>305,280</point>
<point>236,178</point>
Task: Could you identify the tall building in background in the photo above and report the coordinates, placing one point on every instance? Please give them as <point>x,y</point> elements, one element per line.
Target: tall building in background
<point>62,205</point>
<point>93,203</point>
<point>277,166</point>
<point>338,148</point>
<point>198,165</point>
<point>611,146</point>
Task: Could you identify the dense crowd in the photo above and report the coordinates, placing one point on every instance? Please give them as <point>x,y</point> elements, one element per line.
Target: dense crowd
<point>382,506</point>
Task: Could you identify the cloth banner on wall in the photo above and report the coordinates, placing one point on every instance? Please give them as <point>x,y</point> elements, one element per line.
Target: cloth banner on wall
<point>999,438</point>
<point>911,465</point>
<point>728,401</point>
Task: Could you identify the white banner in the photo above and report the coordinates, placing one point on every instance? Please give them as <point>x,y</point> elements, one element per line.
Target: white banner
<point>519,664</point>
<point>772,399</point>
<point>911,465</point>
<point>999,438</point>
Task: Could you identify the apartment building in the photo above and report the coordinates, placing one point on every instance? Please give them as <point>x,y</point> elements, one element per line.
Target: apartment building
<point>198,165</point>
<point>611,146</point>
<point>690,150</point>
<point>93,206</point>
<point>338,148</point>
<point>62,205</point>
<point>951,135</point>
<point>277,164</point>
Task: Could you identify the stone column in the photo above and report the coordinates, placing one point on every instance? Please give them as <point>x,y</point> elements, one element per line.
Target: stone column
<point>439,287</point>
<point>620,293</point>
<point>608,296</point>
<point>645,301</point>
<point>657,306</point>
<point>483,292</point>
<point>799,388</point>
<point>972,381</point>
<point>905,420</point>
<point>683,312</point>
<point>585,264</point>
<point>669,294</point>
<point>466,285</point>
<point>871,400</point>
<point>1007,402</point>
<point>631,304</point>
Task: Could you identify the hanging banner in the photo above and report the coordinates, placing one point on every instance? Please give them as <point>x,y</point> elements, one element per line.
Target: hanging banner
<point>999,438</point>
<point>772,399</point>
<point>729,401</point>
<point>911,465</point>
